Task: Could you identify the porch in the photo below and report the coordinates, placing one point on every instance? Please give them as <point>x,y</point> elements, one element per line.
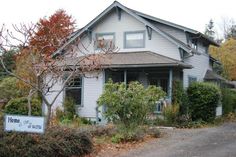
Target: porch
<point>160,77</point>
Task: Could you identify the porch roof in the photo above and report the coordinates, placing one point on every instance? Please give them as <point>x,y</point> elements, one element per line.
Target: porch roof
<point>210,75</point>
<point>143,59</point>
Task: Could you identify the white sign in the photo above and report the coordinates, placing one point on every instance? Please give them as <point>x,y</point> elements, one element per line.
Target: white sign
<point>24,124</point>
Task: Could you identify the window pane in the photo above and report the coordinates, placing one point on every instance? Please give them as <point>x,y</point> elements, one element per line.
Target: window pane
<point>105,40</point>
<point>116,76</point>
<point>191,80</point>
<point>132,76</point>
<point>134,40</point>
<point>134,36</point>
<point>106,37</point>
<point>75,94</point>
<point>74,82</point>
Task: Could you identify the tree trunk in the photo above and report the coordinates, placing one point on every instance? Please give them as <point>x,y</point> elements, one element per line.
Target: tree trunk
<point>29,105</point>
<point>48,117</point>
<point>29,98</point>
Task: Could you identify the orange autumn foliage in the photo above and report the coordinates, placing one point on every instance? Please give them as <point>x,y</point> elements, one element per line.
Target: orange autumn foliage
<point>52,32</point>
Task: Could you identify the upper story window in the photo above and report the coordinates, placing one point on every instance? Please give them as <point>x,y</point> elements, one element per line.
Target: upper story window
<point>105,40</point>
<point>134,39</point>
<point>194,44</point>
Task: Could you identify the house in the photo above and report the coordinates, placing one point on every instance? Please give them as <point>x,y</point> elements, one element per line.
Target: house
<point>151,50</point>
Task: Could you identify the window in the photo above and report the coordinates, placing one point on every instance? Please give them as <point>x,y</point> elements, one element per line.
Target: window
<point>134,39</point>
<point>160,106</point>
<point>191,79</point>
<point>194,44</point>
<point>73,90</point>
<point>116,76</point>
<point>105,40</point>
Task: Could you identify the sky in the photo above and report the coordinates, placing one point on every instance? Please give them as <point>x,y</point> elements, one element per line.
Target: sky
<point>194,14</point>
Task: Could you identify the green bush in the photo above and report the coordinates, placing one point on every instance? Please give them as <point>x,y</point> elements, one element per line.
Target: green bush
<point>228,100</point>
<point>128,134</point>
<point>203,100</point>
<point>68,113</point>
<point>129,105</point>
<point>8,88</point>
<point>179,96</point>
<point>20,106</point>
<point>61,142</point>
<point>69,108</point>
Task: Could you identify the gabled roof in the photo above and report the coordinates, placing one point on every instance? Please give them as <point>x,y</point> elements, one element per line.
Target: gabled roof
<point>210,75</point>
<point>140,17</point>
<point>214,60</point>
<point>185,29</point>
<point>116,4</point>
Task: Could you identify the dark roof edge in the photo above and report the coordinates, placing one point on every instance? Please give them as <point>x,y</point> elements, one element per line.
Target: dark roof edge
<point>147,65</point>
<point>186,29</point>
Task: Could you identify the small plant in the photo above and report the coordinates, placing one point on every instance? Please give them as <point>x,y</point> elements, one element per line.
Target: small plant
<point>192,124</point>
<point>154,132</point>
<point>69,108</point>
<point>128,135</point>
<point>117,138</point>
<point>170,113</point>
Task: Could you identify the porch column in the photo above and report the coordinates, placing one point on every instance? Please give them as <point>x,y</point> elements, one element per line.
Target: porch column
<point>125,76</point>
<point>170,85</point>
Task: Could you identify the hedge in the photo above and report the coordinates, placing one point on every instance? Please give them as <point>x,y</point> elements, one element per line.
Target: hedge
<point>56,142</point>
<point>203,100</point>
<point>228,100</point>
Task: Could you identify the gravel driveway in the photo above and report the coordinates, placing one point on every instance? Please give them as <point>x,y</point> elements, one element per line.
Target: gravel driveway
<point>207,142</point>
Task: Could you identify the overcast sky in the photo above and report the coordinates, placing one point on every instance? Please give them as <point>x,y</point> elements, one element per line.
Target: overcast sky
<point>191,13</point>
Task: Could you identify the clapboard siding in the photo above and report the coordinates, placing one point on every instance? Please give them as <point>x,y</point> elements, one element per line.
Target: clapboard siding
<point>111,24</point>
<point>50,96</point>
<point>177,33</point>
<point>200,65</point>
<point>92,89</point>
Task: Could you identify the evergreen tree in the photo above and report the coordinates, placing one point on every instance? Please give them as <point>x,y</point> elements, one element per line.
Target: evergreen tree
<point>209,30</point>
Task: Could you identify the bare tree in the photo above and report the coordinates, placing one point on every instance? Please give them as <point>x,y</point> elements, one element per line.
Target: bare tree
<point>229,28</point>
<point>50,70</point>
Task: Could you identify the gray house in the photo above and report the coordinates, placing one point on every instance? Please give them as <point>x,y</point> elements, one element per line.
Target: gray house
<point>151,50</point>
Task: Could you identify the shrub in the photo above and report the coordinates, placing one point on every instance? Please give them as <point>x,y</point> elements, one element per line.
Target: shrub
<point>69,108</point>
<point>170,113</point>
<point>203,100</point>
<point>8,89</point>
<point>129,105</point>
<point>68,113</point>
<point>128,134</point>
<point>61,142</point>
<point>154,132</point>
<point>20,106</point>
<point>228,100</point>
<point>179,96</point>
<point>192,124</point>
